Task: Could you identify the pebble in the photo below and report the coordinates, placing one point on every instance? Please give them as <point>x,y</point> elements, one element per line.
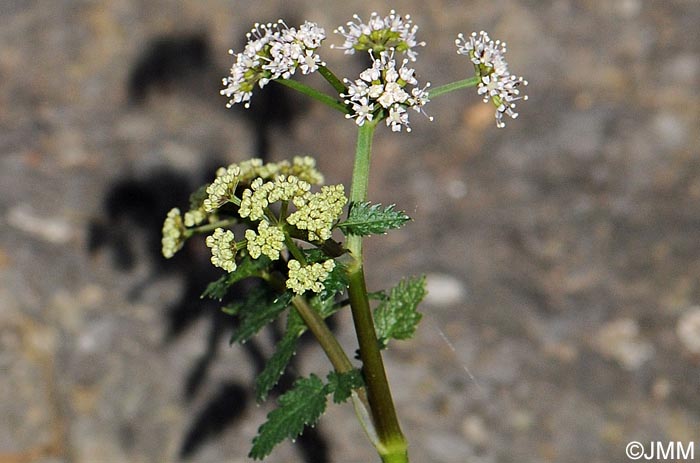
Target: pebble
<point>620,340</point>
<point>51,229</point>
<point>688,329</point>
<point>444,290</point>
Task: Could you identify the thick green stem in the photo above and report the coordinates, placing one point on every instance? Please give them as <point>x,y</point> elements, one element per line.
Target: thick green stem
<point>391,445</point>
<point>340,361</point>
<point>315,94</point>
<point>451,87</point>
<point>329,343</point>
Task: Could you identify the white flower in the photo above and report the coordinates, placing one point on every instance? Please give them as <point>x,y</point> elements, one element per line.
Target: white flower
<point>380,34</point>
<point>273,51</point>
<point>363,110</point>
<point>397,118</point>
<point>384,87</point>
<point>483,51</point>
<point>497,84</point>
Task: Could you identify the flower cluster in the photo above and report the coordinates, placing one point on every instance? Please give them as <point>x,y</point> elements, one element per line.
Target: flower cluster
<point>223,188</point>
<point>383,87</point>
<point>273,51</point>
<point>174,233</point>
<point>497,84</point>
<point>261,194</point>
<point>223,249</point>
<point>391,32</point>
<point>318,212</point>
<point>309,277</point>
<point>269,240</point>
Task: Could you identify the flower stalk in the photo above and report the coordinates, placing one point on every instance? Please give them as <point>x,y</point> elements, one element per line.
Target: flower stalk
<point>392,445</point>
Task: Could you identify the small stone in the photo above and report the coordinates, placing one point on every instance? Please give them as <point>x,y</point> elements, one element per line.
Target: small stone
<point>661,389</point>
<point>688,329</point>
<point>620,340</point>
<point>474,430</point>
<point>51,229</point>
<point>444,290</point>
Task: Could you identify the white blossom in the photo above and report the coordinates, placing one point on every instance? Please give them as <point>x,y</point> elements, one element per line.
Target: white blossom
<point>497,84</point>
<point>273,51</point>
<point>380,34</point>
<point>384,87</point>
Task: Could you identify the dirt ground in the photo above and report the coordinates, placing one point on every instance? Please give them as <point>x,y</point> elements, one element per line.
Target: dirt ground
<point>562,252</point>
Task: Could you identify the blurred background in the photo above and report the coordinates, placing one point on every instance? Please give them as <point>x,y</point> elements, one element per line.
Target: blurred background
<point>562,252</point>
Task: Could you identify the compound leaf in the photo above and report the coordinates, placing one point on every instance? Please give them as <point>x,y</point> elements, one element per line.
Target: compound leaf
<point>284,351</point>
<point>397,316</point>
<point>260,308</point>
<point>368,219</point>
<point>301,406</point>
<point>246,268</point>
<point>342,384</point>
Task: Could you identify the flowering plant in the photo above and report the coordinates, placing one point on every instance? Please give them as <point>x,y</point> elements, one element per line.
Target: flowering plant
<point>275,223</point>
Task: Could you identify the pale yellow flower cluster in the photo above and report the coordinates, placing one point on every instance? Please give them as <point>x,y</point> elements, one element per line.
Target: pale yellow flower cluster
<point>223,249</point>
<point>302,167</point>
<point>173,233</point>
<point>261,194</point>
<point>222,189</point>
<point>319,211</point>
<point>309,277</point>
<point>269,240</point>
<point>194,217</point>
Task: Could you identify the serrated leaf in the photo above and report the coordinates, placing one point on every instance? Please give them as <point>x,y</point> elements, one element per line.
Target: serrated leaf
<point>260,308</point>
<point>368,219</point>
<point>342,384</point>
<point>284,351</point>
<point>397,317</point>
<point>246,268</point>
<point>301,406</point>
<point>335,283</point>
<point>315,255</point>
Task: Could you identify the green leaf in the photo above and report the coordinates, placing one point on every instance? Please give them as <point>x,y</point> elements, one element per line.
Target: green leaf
<point>397,317</point>
<point>335,283</point>
<point>342,384</point>
<point>367,219</point>
<point>260,308</point>
<point>246,268</point>
<point>284,351</point>
<point>197,198</point>
<point>301,406</point>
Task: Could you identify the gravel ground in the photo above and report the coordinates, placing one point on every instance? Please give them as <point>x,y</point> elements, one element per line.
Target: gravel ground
<point>562,252</point>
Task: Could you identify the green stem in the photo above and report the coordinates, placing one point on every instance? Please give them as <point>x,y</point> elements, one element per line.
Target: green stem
<point>335,353</point>
<point>391,445</point>
<point>331,78</point>
<point>315,94</point>
<point>447,88</point>
<point>211,226</point>
<point>338,358</point>
<point>294,249</point>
